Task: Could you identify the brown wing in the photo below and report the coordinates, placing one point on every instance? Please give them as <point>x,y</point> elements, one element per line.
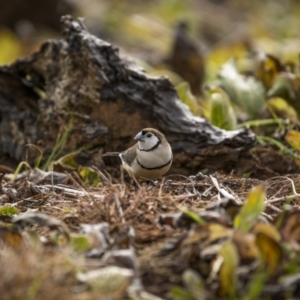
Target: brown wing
<point>129,155</point>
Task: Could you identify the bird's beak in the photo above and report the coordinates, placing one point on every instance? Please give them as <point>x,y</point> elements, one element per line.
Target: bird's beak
<point>139,137</point>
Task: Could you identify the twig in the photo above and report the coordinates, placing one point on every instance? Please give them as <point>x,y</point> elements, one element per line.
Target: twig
<point>267,216</point>
<point>182,197</point>
<point>47,189</point>
<point>284,198</point>
<point>293,186</point>
<point>119,207</point>
<point>105,180</point>
<point>221,190</point>
<point>276,200</point>
<point>276,209</point>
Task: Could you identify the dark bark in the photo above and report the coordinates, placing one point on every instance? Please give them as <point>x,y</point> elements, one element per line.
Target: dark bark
<point>109,99</point>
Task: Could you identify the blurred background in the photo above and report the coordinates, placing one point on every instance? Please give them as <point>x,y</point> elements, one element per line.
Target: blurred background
<point>231,61</point>
<point>145,28</point>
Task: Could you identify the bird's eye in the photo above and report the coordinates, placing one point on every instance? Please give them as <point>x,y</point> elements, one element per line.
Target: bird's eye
<point>149,135</point>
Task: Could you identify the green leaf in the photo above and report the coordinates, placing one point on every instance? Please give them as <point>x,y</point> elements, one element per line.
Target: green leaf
<point>7,210</point>
<point>251,209</point>
<point>222,114</point>
<point>184,93</point>
<point>265,139</point>
<point>192,215</point>
<point>255,285</point>
<point>80,243</point>
<point>89,176</point>
<point>59,145</point>
<point>246,92</point>
<point>68,161</point>
<point>193,283</point>
<point>178,293</point>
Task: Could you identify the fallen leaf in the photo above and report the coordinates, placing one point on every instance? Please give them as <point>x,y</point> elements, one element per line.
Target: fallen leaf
<point>271,252</point>
<point>110,282</point>
<point>290,228</point>
<point>267,229</point>
<point>11,237</point>
<point>246,247</point>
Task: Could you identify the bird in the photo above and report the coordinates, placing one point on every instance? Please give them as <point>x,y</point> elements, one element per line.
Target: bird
<point>150,158</point>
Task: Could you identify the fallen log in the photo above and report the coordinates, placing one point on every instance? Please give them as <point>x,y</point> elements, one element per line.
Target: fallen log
<point>81,84</point>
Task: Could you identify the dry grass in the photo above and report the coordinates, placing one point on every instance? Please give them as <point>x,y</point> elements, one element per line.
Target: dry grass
<point>48,272</point>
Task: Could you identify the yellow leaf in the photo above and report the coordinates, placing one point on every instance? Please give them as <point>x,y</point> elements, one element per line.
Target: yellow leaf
<point>266,68</point>
<point>293,139</point>
<point>271,252</point>
<point>217,231</point>
<point>11,238</point>
<point>10,46</point>
<point>286,86</point>
<point>89,176</point>
<point>228,270</point>
<point>281,108</point>
<point>268,230</point>
<point>68,161</point>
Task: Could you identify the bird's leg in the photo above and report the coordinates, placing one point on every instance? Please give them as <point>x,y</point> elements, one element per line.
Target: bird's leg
<point>137,183</point>
<point>134,179</point>
<point>122,174</point>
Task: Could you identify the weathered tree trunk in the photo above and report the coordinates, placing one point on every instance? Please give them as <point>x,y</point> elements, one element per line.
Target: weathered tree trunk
<point>109,100</point>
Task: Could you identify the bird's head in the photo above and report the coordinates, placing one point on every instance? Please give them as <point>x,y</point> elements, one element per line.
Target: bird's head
<point>149,139</point>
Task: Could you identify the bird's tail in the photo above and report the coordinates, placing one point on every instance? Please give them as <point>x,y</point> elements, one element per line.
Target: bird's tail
<point>110,154</point>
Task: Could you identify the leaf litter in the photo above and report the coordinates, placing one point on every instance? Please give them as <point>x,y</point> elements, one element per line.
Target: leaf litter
<point>194,237</point>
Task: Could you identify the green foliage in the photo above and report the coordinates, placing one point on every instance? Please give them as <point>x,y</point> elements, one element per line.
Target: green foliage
<point>8,210</point>
<point>192,215</point>
<point>222,114</point>
<point>186,96</point>
<point>286,86</point>
<point>59,145</point>
<point>255,285</point>
<point>89,176</point>
<point>251,209</point>
<point>80,243</point>
<point>246,93</point>
<point>194,287</point>
<point>265,139</point>
<point>19,168</point>
<point>67,161</point>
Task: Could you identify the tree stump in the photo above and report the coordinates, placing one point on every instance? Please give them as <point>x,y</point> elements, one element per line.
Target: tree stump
<point>82,79</point>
